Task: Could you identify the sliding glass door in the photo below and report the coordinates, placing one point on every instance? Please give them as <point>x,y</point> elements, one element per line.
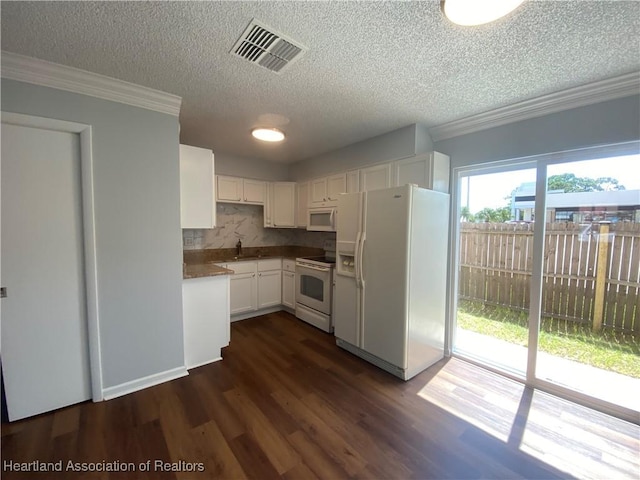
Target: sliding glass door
<point>494,272</point>
<point>548,274</point>
<point>588,335</point>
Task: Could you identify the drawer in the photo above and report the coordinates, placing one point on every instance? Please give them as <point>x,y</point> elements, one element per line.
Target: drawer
<point>270,264</point>
<point>288,265</point>
<point>243,267</point>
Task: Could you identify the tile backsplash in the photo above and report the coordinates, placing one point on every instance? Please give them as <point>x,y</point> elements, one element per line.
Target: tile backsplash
<point>246,223</point>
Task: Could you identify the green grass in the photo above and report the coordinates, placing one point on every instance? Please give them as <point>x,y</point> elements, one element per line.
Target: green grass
<point>607,350</point>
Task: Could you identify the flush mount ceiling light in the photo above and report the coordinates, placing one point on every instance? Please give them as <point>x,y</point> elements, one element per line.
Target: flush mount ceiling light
<point>268,134</point>
<point>477,12</point>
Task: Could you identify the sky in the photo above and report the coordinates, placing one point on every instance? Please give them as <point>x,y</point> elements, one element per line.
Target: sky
<point>491,190</point>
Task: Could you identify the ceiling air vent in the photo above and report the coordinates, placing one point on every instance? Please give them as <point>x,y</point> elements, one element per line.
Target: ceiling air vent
<point>264,46</point>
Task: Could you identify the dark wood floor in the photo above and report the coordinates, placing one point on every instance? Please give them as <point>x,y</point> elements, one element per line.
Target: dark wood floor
<point>287,403</point>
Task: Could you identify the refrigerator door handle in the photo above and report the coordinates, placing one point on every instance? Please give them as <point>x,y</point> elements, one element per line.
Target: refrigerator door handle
<point>363,237</point>
<point>356,259</point>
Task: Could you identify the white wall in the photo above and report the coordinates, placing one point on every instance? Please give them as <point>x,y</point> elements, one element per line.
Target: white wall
<point>613,121</point>
<point>227,164</point>
<point>137,218</point>
<point>401,143</point>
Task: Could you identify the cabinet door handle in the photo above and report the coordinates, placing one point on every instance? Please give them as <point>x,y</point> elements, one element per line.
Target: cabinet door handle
<point>253,275</point>
<point>259,274</point>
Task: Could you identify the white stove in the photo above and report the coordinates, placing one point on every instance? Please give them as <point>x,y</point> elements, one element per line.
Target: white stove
<point>314,289</point>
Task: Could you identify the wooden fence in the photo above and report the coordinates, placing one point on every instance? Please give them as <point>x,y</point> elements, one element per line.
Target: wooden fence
<point>591,273</point>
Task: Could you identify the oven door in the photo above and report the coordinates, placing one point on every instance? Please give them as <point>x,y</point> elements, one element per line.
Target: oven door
<point>314,287</point>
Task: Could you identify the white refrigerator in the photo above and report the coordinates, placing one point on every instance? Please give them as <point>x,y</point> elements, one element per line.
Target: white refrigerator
<point>391,274</point>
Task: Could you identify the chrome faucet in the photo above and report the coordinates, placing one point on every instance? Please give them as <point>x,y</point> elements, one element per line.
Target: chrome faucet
<point>239,248</point>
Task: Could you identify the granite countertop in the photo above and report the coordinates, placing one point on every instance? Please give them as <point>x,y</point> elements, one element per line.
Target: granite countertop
<point>202,263</point>
<point>197,270</point>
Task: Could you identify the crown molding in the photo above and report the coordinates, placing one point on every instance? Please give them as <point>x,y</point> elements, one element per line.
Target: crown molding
<point>610,89</point>
<point>48,74</point>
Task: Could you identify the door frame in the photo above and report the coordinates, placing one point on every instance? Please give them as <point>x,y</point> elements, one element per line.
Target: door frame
<point>88,230</point>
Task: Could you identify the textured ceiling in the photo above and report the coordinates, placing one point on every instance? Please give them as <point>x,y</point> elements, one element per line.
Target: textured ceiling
<point>371,67</point>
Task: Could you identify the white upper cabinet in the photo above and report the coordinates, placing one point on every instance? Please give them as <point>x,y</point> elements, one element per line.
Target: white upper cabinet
<point>439,172</point>
<point>430,171</point>
<point>336,184</point>
<point>240,190</point>
<point>229,189</point>
<point>268,207</point>
<point>324,191</point>
<point>318,192</point>
<point>303,204</point>
<point>411,170</point>
<point>197,188</point>
<point>254,191</point>
<point>353,181</point>
<point>283,204</point>
<point>375,177</point>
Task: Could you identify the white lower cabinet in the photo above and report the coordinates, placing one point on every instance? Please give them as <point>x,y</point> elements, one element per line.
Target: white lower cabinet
<point>255,285</point>
<point>244,287</point>
<point>289,283</point>
<point>205,312</point>
<point>269,288</point>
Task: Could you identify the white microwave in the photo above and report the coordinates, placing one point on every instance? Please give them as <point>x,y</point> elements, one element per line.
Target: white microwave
<point>322,219</point>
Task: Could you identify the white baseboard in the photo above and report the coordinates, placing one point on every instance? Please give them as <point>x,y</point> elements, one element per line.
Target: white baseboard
<point>257,313</point>
<point>207,362</point>
<point>142,383</point>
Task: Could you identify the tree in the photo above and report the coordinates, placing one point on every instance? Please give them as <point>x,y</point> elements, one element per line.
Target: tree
<point>466,215</point>
<point>493,214</point>
<point>568,182</point>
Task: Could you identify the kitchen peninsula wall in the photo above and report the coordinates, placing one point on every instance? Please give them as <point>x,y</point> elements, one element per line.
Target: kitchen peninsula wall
<point>246,222</point>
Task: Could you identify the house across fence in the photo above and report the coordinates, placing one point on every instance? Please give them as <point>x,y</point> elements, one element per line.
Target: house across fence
<point>591,272</point>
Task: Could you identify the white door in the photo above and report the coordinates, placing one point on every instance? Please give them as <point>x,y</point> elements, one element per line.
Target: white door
<point>45,352</point>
